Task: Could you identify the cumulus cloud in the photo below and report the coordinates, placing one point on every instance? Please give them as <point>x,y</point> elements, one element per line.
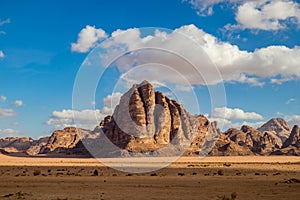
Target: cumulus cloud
<point>225,124</point>
<point>267,15</point>
<point>18,103</point>
<point>292,119</point>
<point>3,98</point>
<point>8,133</point>
<point>4,113</point>
<point>235,118</point>
<point>87,118</point>
<point>88,38</point>
<point>252,14</point>
<point>2,54</point>
<point>110,102</point>
<point>277,64</point>
<point>235,114</point>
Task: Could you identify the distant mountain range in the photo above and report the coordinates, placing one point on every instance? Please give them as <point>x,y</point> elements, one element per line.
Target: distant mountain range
<point>159,126</point>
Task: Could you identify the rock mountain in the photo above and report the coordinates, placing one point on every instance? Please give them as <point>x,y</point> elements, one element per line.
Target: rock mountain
<point>146,121</point>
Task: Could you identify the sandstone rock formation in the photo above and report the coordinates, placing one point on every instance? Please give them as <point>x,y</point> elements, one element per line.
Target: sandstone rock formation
<point>147,120</point>
<point>294,138</point>
<point>65,141</point>
<point>26,145</point>
<point>247,141</point>
<point>277,125</point>
<point>16,144</point>
<point>36,147</point>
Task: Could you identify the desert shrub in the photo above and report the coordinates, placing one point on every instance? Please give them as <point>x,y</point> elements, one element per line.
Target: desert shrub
<point>154,174</point>
<point>180,174</point>
<point>227,164</point>
<point>36,172</point>
<point>95,173</point>
<point>233,196</point>
<point>220,172</point>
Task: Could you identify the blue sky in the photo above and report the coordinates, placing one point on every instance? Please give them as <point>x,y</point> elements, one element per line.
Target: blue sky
<point>39,64</point>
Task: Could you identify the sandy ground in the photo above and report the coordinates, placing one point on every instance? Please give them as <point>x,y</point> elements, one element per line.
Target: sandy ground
<point>187,178</point>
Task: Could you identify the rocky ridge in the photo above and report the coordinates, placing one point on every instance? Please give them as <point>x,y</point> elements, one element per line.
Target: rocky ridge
<point>147,121</point>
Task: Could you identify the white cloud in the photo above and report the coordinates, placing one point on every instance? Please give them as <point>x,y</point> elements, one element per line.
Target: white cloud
<point>88,38</point>
<point>235,114</point>
<point>8,133</point>
<point>110,102</point>
<point>292,119</point>
<point>184,88</point>
<point>205,7</point>
<point>225,124</point>
<point>2,22</point>
<point>4,113</point>
<point>290,100</point>
<point>6,21</point>
<point>18,103</point>
<point>88,118</point>
<point>267,15</point>
<point>276,63</point>
<point>3,98</point>
<point>235,118</point>
<point>2,54</point>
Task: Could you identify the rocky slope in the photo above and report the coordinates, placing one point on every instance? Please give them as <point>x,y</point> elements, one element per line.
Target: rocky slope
<point>246,141</point>
<point>277,126</point>
<point>147,120</point>
<point>25,145</point>
<point>67,141</point>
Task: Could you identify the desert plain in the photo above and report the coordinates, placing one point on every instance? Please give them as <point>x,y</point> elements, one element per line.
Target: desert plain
<point>246,177</point>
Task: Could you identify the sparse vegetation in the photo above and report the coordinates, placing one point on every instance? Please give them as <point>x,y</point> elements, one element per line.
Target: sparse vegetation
<point>220,172</point>
<point>36,172</point>
<point>292,180</point>
<point>233,196</point>
<point>227,164</point>
<point>95,173</point>
<point>181,174</point>
<point>17,195</point>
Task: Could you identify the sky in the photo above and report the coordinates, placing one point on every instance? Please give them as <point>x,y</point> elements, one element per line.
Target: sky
<point>246,56</point>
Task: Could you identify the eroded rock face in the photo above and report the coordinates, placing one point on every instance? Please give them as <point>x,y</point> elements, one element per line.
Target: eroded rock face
<point>146,120</point>
<point>294,139</point>
<point>65,141</point>
<point>279,126</point>
<point>16,144</point>
<point>247,141</point>
<point>36,147</point>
